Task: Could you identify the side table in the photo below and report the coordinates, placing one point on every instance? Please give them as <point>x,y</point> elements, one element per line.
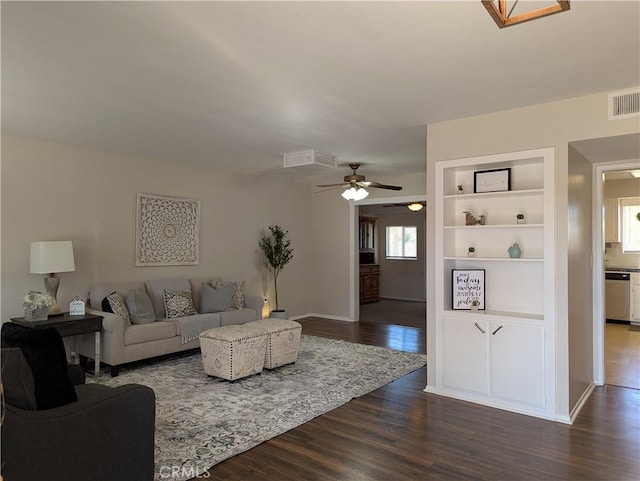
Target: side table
<point>68,325</point>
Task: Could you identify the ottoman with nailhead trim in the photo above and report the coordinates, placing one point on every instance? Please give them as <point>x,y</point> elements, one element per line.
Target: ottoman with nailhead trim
<point>283,340</point>
<point>233,352</point>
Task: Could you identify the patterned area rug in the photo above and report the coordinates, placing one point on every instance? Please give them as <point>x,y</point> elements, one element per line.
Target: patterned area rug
<point>201,420</point>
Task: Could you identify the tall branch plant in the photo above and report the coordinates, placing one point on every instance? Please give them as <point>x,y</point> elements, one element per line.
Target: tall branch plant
<point>277,251</point>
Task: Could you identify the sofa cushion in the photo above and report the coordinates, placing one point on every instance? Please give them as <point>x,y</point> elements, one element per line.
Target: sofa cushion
<point>140,307</point>
<point>44,351</point>
<point>119,306</point>
<point>215,299</point>
<point>106,307</point>
<point>156,288</point>
<point>237,316</point>
<point>18,388</point>
<point>137,334</point>
<point>178,303</point>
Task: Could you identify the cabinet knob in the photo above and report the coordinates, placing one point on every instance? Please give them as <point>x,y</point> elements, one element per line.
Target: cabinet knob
<point>494,332</point>
<point>482,330</point>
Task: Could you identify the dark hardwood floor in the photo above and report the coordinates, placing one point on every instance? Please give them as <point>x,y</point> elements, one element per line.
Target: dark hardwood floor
<point>399,432</point>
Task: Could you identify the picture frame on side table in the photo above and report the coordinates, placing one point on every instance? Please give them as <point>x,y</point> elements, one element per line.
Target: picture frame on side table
<point>494,180</point>
<point>467,285</point>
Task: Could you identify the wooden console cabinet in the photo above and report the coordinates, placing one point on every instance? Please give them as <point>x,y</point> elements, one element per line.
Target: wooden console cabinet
<point>369,283</point>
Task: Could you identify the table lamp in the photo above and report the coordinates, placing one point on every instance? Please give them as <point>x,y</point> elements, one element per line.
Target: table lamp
<point>49,258</point>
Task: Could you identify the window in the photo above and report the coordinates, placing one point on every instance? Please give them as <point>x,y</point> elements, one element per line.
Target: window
<point>630,217</point>
<point>402,242</point>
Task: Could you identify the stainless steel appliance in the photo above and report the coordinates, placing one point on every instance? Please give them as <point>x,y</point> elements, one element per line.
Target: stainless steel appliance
<point>618,296</point>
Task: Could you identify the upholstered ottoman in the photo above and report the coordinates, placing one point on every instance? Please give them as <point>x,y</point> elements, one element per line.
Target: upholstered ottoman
<point>283,340</point>
<point>233,352</point>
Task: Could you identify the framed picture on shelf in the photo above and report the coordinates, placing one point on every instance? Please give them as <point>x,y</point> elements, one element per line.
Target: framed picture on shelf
<point>495,180</point>
<point>467,287</point>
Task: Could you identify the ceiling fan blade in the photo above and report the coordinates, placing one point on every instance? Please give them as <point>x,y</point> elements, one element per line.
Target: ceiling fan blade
<point>330,188</point>
<point>382,186</point>
<point>334,185</point>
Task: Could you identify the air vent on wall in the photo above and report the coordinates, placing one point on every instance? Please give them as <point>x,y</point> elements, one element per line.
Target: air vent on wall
<point>624,104</point>
<point>310,157</point>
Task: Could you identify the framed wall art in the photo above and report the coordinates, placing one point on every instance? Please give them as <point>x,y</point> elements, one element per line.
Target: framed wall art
<point>495,180</point>
<point>467,286</point>
<point>167,230</point>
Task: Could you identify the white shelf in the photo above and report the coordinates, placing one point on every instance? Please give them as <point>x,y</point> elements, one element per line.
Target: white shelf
<point>504,193</point>
<point>495,315</point>
<point>493,259</point>
<point>494,226</point>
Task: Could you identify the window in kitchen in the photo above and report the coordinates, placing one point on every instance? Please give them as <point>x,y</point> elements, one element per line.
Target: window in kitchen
<point>402,242</point>
<point>630,217</point>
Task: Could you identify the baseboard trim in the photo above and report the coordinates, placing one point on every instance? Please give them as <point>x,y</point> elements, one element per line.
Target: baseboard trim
<point>326,316</point>
<point>581,402</point>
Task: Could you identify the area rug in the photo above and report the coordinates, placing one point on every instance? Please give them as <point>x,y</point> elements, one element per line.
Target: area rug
<point>201,420</point>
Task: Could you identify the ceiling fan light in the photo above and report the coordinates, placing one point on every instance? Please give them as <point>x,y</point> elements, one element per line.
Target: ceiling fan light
<point>353,193</point>
<point>415,206</point>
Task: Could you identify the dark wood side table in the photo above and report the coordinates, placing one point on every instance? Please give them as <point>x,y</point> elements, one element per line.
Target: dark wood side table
<point>68,325</point>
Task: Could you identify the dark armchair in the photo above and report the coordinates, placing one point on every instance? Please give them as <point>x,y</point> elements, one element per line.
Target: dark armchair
<point>107,434</point>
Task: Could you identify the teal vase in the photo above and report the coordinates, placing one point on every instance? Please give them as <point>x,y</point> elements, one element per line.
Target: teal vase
<point>514,251</point>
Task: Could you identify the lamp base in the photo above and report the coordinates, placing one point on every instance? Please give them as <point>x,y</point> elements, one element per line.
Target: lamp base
<point>51,284</point>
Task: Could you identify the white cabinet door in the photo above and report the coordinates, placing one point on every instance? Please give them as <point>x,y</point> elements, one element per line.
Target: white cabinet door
<point>635,297</point>
<point>611,232</point>
<point>465,355</point>
<point>517,362</point>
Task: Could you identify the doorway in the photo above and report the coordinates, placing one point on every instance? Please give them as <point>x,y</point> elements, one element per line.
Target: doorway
<point>402,283</point>
<point>616,346</point>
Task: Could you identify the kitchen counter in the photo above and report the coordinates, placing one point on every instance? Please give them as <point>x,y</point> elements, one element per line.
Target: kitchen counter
<point>622,269</point>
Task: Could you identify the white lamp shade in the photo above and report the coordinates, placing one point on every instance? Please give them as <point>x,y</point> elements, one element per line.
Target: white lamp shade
<point>50,257</point>
<point>355,194</point>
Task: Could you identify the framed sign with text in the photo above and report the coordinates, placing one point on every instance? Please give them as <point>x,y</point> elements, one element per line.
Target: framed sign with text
<point>467,286</point>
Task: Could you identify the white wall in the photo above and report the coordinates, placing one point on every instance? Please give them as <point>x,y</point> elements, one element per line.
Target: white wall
<point>57,192</point>
<point>580,241</point>
<point>553,124</point>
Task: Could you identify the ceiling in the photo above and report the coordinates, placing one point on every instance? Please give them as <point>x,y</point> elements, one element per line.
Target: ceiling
<point>237,84</point>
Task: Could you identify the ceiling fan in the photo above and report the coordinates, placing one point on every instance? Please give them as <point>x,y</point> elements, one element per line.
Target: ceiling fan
<point>355,184</point>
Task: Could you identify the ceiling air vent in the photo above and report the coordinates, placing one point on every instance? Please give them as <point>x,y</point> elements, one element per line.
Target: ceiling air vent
<point>310,158</point>
<point>624,104</point>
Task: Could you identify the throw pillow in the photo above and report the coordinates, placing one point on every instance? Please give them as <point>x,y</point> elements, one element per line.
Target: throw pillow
<point>119,306</point>
<point>140,307</point>
<point>18,389</point>
<point>238,294</point>
<point>44,351</point>
<point>106,307</point>
<point>178,304</point>
<point>238,301</point>
<point>215,299</point>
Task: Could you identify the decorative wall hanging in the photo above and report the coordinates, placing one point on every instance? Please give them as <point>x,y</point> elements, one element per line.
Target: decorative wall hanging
<point>167,231</point>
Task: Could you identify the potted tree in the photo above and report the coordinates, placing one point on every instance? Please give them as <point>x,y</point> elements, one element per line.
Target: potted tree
<point>277,251</point>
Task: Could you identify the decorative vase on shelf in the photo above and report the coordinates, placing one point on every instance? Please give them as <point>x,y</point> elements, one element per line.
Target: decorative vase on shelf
<point>471,252</point>
<point>520,219</point>
<point>460,189</point>
<point>514,251</point>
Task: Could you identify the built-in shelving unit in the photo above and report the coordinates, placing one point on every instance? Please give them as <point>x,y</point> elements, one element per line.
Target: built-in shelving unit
<point>504,355</point>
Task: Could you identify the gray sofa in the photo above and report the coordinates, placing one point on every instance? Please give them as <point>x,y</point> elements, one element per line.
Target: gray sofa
<point>122,343</point>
